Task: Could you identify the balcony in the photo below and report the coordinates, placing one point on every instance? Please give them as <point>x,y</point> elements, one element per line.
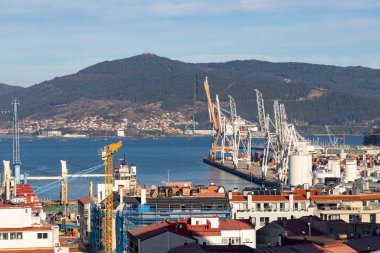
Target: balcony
<point>275,210</point>
<point>349,210</point>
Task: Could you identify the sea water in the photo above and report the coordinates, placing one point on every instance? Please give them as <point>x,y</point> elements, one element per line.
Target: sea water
<point>157,161</point>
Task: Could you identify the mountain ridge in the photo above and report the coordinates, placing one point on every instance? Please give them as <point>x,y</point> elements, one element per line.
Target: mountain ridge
<point>346,95</point>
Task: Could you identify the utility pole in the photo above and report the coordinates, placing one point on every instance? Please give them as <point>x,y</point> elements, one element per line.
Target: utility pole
<point>16,142</point>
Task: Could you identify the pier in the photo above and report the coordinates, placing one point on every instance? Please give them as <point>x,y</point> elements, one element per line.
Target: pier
<point>252,174</point>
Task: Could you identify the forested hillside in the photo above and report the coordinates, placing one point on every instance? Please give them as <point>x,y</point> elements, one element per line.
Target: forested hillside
<point>313,94</point>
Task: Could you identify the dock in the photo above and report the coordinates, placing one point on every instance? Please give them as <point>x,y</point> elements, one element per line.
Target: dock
<point>252,174</point>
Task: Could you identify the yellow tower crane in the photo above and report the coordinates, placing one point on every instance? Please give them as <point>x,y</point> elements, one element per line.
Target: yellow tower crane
<point>106,155</point>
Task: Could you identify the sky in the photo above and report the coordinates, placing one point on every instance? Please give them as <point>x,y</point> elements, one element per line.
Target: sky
<point>43,39</point>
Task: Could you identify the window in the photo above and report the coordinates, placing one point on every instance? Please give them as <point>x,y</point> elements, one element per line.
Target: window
<point>5,236</point>
<point>42,235</point>
<point>372,218</point>
<point>282,206</point>
<point>253,220</point>
<point>235,240</point>
<point>15,236</point>
<point>335,217</point>
<point>264,220</point>
<point>12,236</point>
<point>354,218</point>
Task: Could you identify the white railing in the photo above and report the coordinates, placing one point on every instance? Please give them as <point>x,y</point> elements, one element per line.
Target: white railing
<point>274,210</point>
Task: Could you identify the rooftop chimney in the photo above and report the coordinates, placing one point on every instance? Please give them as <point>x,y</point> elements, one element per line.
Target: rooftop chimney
<point>143,196</point>
<point>291,201</point>
<point>308,194</point>
<point>249,200</point>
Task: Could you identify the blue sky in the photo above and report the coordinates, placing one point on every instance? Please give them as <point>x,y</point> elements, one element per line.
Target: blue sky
<point>42,39</point>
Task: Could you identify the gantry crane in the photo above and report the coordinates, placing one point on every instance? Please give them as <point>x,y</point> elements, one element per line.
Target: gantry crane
<point>232,134</point>
<point>106,155</point>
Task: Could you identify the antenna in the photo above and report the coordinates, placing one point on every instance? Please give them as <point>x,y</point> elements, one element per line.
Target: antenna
<point>16,141</point>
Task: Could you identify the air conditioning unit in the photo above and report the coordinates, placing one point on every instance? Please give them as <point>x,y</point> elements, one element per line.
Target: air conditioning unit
<point>57,244</point>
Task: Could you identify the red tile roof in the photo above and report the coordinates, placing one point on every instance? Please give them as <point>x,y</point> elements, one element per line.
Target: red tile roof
<point>235,225</point>
<point>238,198</point>
<point>150,230</point>
<point>85,200</point>
<point>336,248</point>
<point>40,228</point>
<point>306,247</point>
<point>184,228</point>
<point>22,250</point>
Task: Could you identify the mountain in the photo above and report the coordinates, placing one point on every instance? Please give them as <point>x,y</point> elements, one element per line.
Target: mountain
<point>9,89</point>
<point>313,94</point>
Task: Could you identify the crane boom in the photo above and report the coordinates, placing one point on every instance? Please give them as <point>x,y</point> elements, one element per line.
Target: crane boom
<point>260,110</point>
<point>209,102</point>
<point>106,155</point>
<point>215,121</point>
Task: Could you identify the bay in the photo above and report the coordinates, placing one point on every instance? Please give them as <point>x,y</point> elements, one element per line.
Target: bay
<point>181,158</point>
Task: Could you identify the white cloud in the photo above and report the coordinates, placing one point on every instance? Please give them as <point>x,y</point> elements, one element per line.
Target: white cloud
<point>47,38</point>
<point>128,8</point>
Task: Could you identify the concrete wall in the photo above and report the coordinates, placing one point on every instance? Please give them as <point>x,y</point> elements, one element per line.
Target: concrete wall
<point>85,224</point>
<point>30,240</point>
<point>247,237</point>
<point>271,215</point>
<point>268,235</point>
<point>15,217</point>
<point>204,220</point>
<point>163,242</point>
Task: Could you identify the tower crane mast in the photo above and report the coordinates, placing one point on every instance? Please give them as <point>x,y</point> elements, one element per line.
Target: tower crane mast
<point>16,141</point>
<point>107,157</point>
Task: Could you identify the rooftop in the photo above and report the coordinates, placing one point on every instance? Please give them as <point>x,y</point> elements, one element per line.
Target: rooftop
<point>184,228</point>
<point>36,228</point>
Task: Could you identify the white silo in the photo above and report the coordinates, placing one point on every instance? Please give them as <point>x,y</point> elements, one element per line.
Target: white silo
<point>334,166</point>
<point>350,173</point>
<point>300,169</point>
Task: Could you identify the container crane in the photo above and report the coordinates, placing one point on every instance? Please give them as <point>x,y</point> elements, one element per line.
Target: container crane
<point>106,155</point>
